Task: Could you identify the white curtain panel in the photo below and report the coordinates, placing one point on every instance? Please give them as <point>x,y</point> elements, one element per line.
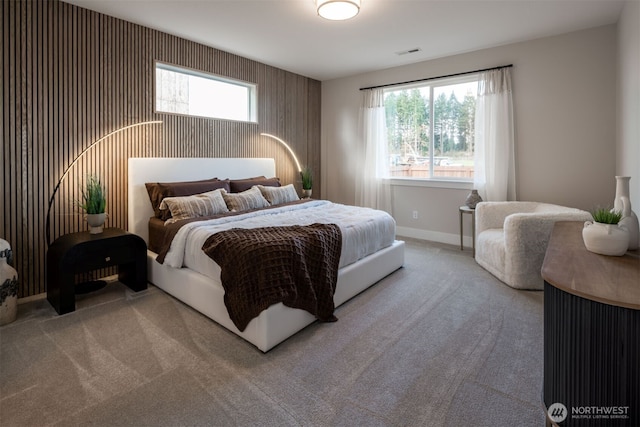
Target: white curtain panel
<point>494,174</point>
<point>372,183</point>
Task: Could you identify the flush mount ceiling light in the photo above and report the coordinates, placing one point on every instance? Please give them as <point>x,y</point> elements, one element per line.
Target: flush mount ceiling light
<point>338,10</point>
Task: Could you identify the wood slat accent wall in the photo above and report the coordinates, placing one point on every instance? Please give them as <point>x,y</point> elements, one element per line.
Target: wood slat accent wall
<point>70,76</point>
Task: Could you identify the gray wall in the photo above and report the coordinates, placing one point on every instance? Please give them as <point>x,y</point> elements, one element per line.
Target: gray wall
<point>564,94</point>
<point>628,147</point>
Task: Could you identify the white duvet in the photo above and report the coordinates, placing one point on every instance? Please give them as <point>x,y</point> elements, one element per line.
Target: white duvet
<point>364,231</point>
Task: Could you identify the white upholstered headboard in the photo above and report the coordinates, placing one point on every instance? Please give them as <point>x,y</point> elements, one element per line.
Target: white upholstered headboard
<point>175,169</point>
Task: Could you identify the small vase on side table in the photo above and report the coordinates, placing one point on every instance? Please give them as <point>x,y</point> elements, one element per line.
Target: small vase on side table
<point>622,203</point>
<point>473,199</point>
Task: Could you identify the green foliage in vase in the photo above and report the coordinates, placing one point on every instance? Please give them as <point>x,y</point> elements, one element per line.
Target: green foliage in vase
<point>93,196</point>
<point>606,216</point>
<point>307,178</point>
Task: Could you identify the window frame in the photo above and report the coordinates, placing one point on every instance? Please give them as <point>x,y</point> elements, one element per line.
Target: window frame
<point>432,181</point>
<point>252,91</point>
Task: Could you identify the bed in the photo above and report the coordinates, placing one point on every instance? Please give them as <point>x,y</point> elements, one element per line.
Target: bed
<point>200,287</point>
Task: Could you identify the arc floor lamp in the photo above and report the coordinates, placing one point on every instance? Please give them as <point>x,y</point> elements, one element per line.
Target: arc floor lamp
<point>287,147</point>
<point>78,157</point>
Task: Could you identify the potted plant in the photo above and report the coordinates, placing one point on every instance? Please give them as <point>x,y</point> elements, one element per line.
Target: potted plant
<point>94,203</point>
<point>307,181</point>
<point>604,235</point>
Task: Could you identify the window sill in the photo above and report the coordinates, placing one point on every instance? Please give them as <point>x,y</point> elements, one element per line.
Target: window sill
<point>431,183</point>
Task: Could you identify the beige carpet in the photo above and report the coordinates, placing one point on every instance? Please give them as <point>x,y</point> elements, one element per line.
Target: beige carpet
<point>440,342</point>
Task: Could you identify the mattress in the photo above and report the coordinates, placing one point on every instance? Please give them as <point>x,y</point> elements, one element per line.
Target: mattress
<point>364,231</point>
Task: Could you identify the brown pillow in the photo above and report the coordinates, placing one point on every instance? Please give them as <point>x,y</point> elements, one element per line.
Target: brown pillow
<point>240,185</point>
<point>159,190</point>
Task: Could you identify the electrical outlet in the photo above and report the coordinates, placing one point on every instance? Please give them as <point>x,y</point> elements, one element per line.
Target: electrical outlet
<point>415,215</point>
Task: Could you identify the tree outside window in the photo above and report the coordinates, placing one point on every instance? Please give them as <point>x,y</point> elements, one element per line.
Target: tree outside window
<point>430,129</point>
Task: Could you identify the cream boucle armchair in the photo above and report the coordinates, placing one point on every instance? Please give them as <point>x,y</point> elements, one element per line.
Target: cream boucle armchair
<point>512,238</point>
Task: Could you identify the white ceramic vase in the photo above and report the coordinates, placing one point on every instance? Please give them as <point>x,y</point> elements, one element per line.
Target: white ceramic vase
<point>622,203</point>
<point>605,239</point>
<point>306,193</point>
<point>96,222</point>
<point>8,286</point>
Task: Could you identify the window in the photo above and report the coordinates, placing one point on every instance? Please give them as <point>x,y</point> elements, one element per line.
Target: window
<point>195,93</point>
<point>430,129</point>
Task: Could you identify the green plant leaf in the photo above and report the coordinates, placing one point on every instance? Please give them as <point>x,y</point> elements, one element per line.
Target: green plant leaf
<point>93,196</point>
<point>606,215</point>
<point>307,178</point>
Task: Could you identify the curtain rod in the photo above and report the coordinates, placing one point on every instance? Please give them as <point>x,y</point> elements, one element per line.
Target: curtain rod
<point>439,77</point>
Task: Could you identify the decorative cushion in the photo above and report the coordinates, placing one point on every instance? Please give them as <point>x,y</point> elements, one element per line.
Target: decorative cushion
<point>240,185</point>
<point>248,199</point>
<point>205,204</point>
<point>159,190</point>
<point>278,195</point>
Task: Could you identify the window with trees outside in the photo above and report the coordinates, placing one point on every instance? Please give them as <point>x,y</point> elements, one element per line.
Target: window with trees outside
<point>196,93</point>
<point>430,129</point>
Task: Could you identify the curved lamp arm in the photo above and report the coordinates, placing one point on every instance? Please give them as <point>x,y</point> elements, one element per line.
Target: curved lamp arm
<point>66,171</point>
<point>287,147</point>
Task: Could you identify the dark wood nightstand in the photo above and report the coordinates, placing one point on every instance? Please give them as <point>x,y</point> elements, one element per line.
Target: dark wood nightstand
<point>83,252</point>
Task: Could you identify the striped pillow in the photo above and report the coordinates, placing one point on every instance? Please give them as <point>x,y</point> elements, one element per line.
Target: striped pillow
<point>278,195</point>
<point>248,199</point>
<point>205,204</point>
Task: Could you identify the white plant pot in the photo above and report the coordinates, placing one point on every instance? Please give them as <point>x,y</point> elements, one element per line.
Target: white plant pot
<point>306,194</point>
<point>605,239</point>
<point>96,222</point>
<point>8,286</point>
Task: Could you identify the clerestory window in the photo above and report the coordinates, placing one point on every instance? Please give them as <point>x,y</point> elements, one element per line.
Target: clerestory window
<point>196,93</point>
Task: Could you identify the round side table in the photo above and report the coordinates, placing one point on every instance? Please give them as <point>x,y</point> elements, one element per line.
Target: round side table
<point>472,212</point>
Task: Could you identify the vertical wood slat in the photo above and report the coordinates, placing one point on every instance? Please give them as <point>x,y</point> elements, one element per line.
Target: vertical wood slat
<point>591,356</point>
<point>70,76</point>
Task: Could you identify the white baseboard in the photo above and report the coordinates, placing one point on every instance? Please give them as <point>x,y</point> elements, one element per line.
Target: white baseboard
<point>434,236</point>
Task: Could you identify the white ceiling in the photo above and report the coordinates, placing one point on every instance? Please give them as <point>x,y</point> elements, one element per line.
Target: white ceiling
<point>288,34</point>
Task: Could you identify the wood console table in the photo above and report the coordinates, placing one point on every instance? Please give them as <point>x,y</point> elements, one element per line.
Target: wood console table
<point>591,333</point>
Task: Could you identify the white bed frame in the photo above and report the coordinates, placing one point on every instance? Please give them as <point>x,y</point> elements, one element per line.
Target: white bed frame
<point>278,322</point>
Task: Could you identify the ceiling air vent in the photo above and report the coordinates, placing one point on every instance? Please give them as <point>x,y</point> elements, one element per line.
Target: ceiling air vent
<point>407,52</point>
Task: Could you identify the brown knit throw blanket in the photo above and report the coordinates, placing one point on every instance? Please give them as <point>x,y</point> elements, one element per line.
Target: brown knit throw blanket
<point>295,265</point>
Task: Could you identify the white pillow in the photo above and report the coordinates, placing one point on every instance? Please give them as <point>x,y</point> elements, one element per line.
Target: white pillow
<point>248,199</point>
<point>205,204</point>
<point>278,195</point>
